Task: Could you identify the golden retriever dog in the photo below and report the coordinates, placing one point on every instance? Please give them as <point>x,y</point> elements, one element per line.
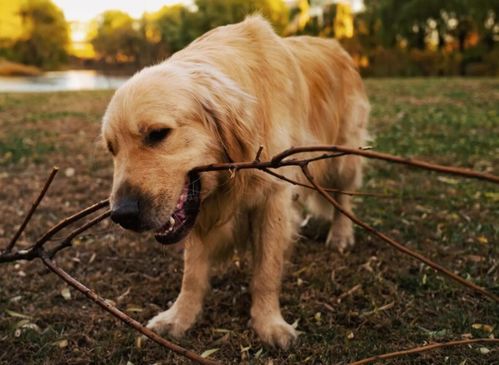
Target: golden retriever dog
<point>233,89</point>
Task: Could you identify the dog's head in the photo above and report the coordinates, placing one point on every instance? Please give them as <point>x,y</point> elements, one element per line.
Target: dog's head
<point>159,125</point>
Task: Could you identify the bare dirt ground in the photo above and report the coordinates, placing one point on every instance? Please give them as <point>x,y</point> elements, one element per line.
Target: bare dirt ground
<point>369,301</point>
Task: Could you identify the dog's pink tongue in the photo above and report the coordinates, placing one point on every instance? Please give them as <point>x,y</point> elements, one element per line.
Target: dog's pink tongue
<point>183,197</point>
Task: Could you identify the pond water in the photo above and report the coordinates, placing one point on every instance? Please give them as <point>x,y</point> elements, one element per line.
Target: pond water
<point>61,81</point>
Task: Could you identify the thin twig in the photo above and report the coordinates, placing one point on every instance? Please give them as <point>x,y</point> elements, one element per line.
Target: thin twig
<point>119,314</point>
<point>396,244</point>
<point>32,210</point>
<point>31,253</point>
<point>258,154</point>
<point>420,349</point>
<point>329,190</point>
<point>278,159</point>
<point>37,251</point>
<point>70,220</point>
<point>66,242</point>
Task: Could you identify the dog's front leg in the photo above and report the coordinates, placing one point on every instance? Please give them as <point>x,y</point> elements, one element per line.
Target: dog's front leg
<point>272,230</point>
<point>195,283</point>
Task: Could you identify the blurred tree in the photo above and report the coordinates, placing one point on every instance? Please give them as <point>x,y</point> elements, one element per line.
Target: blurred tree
<point>432,30</point>
<point>175,26</point>
<point>343,21</point>
<point>323,23</point>
<point>118,37</point>
<point>490,30</point>
<point>45,36</point>
<point>382,18</point>
<point>421,22</point>
<point>213,13</point>
<point>10,21</point>
<point>464,17</point>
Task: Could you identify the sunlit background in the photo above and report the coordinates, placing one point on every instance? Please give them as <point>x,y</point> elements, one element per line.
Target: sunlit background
<point>385,37</point>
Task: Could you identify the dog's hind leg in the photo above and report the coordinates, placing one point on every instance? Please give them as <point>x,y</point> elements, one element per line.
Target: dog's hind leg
<point>349,177</point>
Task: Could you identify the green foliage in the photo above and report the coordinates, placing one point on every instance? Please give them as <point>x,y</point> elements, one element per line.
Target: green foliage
<point>117,37</point>
<point>213,13</point>
<point>325,27</point>
<point>415,21</point>
<point>176,26</point>
<point>391,37</point>
<point>45,35</point>
<point>430,35</point>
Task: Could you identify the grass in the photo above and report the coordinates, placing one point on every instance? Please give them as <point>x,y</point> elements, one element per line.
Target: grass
<point>394,302</point>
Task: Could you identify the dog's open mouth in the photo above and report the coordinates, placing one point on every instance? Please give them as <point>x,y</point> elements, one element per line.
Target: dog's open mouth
<point>182,219</point>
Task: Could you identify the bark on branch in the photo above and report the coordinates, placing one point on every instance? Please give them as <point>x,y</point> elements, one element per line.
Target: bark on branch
<point>420,349</point>
<point>37,250</point>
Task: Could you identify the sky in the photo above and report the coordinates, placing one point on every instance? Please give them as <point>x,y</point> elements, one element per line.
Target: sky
<point>84,10</point>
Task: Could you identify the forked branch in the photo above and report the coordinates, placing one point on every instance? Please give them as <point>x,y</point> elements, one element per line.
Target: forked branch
<point>396,244</point>
<point>37,250</point>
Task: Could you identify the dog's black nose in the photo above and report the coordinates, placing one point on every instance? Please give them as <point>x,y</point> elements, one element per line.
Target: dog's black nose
<point>126,213</point>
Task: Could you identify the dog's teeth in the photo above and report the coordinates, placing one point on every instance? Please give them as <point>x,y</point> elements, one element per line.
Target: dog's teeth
<point>172,222</point>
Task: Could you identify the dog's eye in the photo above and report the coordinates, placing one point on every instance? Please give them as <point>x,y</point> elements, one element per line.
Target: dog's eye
<point>157,135</point>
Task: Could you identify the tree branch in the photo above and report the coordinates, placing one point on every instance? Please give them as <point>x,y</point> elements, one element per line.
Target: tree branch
<point>119,314</point>
<point>280,160</point>
<point>420,349</point>
<point>66,242</point>
<point>31,253</point>
<point>37,251</point>
<point>28,216</point>
<point>329,190</point>
<point>396,244</point>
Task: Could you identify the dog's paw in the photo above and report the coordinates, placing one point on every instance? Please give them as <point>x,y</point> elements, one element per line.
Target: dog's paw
<point>340,238</point>
<point>172,321</point>
<point>340,243</point>
<point>275,332</point>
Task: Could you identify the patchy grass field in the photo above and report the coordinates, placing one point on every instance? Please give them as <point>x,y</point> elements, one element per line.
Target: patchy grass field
<point>370,301</point>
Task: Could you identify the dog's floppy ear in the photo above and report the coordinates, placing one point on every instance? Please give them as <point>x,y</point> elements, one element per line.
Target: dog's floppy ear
<point>227,112</point>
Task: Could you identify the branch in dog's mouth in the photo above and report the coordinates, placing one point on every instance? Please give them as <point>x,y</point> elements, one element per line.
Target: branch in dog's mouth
<point>184,216</point>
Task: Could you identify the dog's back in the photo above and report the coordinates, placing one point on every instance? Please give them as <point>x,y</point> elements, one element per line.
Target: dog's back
<point>338,103</point>
<point>319,68</point>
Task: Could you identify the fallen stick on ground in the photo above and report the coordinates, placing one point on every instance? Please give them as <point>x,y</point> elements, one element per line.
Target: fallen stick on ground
<point>121,315</point>
<point>26,220</point>
<point>37,249</point>
<point>396,244</point>
<point>281,160</point>
<point>418,350</point>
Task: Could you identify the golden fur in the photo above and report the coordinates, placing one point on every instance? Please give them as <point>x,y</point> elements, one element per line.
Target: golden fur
<point>233,89</point>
